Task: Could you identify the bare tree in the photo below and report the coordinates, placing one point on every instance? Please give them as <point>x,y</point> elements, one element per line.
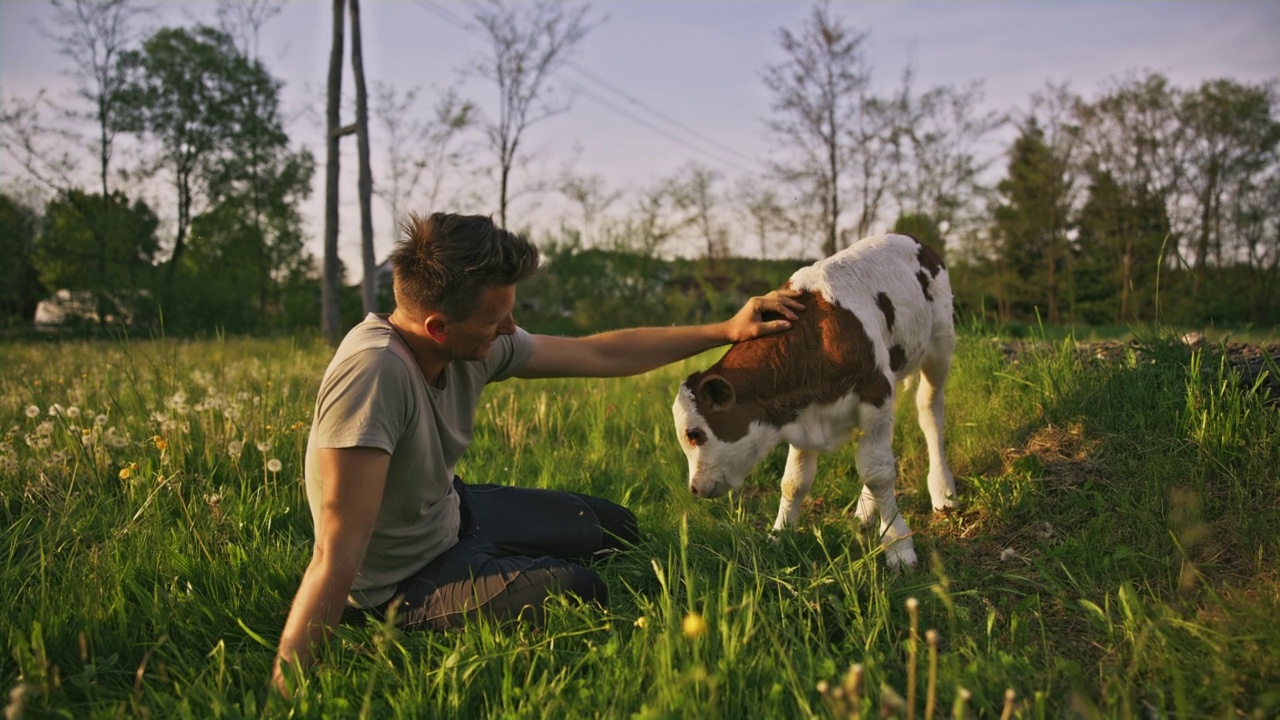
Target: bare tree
<point>592,196</point>
<point>243,20</point>
<point>936,141</point>
<point>764,208</point>
<point>364,184</point>
<point>420,152</point>
<point>819,88</point>
<point>331,277</point>
<point>93,34</point>
<point>529,43</point>
<point>696,195</point>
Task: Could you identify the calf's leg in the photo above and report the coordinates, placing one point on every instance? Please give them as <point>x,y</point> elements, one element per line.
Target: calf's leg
<point>878,469</point>
<point>802,465</point>
<point>929,408</point>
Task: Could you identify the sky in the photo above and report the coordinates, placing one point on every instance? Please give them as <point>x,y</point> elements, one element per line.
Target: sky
<point>666,82</point>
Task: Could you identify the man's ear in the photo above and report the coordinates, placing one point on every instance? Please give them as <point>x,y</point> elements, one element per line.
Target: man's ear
<point>434,326</point>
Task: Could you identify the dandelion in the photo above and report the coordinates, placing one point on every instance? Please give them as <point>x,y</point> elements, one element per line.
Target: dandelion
<point>274,465</point>
<point>100,420</point>
<point>177,400</point>
<point>161,443</point>
<point>44,428</point>
<point>87,438</point>
<point>32,411</point>
<point>73,412</point>
<point>263,446</point>
<point>642,622</point>
<point>56,410</point>
<point>234,448</point>
<point>694,626</point>
<point>160,417</point>
<point>127,471</point>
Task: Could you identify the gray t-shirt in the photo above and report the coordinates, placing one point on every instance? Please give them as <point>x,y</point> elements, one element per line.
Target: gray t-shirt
<point>374,395</point>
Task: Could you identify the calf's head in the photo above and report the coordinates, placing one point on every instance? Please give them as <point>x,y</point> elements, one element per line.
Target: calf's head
<point>722,436</point>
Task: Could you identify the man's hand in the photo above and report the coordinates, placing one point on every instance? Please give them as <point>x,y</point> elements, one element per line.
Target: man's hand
<point>749,323</point>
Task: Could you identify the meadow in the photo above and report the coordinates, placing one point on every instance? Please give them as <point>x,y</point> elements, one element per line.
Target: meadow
<point>1115,553</point>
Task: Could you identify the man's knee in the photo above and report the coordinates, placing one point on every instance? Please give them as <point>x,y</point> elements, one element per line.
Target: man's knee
<point>579,583</point>
<point>619,527</point>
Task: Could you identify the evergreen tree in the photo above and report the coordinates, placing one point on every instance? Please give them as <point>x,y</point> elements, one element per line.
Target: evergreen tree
<point>1031,228</point>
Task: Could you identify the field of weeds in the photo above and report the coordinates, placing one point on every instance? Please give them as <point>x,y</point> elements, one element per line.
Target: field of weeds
<point>1115,553</point>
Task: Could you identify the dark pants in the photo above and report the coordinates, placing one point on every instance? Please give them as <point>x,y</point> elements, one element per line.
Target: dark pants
<point>516,548</point>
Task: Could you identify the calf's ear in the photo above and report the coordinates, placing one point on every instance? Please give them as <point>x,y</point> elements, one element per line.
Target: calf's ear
<point>715,393</point>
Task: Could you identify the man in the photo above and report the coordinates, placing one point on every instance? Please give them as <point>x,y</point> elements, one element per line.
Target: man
<point>395,530</point>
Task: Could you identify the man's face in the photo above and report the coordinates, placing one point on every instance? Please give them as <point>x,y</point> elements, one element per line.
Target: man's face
<point>470,339</point>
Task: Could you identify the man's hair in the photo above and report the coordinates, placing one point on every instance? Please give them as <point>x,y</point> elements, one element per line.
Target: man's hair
<point>445,261</point>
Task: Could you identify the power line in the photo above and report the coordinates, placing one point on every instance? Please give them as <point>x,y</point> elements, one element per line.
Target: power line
<point>453,19</point>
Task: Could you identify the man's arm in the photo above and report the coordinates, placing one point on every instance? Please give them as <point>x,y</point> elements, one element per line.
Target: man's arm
<point>354,479</point>
<point>638,350</point>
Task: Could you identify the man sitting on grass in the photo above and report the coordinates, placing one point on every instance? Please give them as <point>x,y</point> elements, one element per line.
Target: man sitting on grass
<point>395,529</point>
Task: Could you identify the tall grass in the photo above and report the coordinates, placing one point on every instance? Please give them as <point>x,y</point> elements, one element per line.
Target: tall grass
<point>1115,554</point>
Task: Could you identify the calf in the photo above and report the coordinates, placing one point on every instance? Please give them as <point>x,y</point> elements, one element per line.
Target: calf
<point>874,314</point>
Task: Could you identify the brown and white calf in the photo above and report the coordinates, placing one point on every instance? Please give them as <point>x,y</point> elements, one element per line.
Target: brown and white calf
<point>874,314</point>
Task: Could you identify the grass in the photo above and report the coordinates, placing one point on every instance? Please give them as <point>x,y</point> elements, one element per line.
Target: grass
<point>1115,555</point>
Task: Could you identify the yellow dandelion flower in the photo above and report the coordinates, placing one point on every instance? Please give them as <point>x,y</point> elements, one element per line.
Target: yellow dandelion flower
<point>127,471</point>
<point>694,626</point>
<point>161,443</point>
<point>642,622</point>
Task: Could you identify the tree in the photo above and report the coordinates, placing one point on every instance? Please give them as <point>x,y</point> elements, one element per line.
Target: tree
<point>1232,136</point>
<point>93,35</point>
<point>817,90</point>
<point>764,208</point>
<point>1121,231</point>
<point>20,288</point>
<point>420,152</point>
<point>109,254</point>
<point>696,195</point>
<point>593,197</point>
<point>529,43</point>
<point>1031,223</point>
<point>196,94</point>
<point>934,149</point>
<point>331,274</point>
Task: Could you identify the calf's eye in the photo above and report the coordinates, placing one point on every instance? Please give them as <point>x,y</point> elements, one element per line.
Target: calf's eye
<point>695,436</point>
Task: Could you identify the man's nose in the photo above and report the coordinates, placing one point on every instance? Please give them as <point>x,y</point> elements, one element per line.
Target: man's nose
<point>507,326</point>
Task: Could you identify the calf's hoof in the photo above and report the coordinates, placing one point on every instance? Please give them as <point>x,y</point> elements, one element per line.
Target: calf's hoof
<point>901,556</point>
<point>945,504</point>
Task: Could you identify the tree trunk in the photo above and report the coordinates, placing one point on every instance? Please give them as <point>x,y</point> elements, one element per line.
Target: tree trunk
<point>369,287</point>
<point>330,323</point>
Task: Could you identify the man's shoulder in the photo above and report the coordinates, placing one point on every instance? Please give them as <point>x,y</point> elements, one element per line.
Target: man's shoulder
<point>372,342</point>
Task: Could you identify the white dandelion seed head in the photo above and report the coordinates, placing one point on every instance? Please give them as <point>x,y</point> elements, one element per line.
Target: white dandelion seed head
<point>9,464</point>
<point>43,442</point>
<point>32,411</point>
<point>160,417</point>
<point>56,409</point>
<point>274,465</point>
<point>1008,554</point>
<point>100,420</point>
<point>73,412</point>
<point>235,447</point>
<point>178,398</point>
<point>44,428</point>
<point>263,446</point>
<point>58,457</point>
